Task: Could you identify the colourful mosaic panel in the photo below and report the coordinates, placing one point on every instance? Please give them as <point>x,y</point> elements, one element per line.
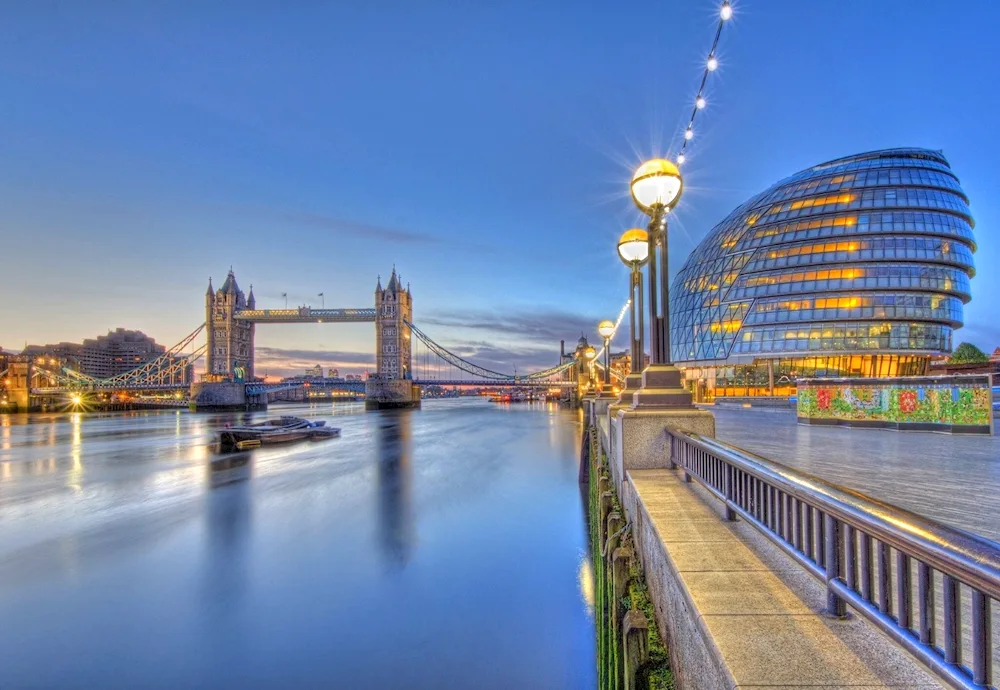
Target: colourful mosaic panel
<point>946,403</point>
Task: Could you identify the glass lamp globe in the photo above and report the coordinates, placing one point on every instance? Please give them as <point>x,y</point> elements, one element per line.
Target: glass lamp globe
<point>590,352</point>
<point>633,247</point>
<point>657,182</point>
<point>606,329</point>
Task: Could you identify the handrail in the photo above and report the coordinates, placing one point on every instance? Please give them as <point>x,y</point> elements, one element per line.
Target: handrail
<point>831,531</point>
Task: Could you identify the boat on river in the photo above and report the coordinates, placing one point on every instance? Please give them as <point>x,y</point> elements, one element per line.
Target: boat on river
<point>273,431</point>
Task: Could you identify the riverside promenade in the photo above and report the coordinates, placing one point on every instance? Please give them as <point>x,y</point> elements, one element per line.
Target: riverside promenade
<point>738,612</point>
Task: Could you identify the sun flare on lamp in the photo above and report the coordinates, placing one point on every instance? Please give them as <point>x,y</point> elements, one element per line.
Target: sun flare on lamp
<point>606,328</point>
<point>657,183</point>
<point>589,353</point>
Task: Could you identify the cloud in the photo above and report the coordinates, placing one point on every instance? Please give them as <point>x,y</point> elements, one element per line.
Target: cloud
<point>345,227</point>
<point>357,229</point>
<point>536,326</point>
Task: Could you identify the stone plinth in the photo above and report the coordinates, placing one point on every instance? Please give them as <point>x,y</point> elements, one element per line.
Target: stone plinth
<point>640,438</point>
<point>208,396</point>
<point>391,394</point>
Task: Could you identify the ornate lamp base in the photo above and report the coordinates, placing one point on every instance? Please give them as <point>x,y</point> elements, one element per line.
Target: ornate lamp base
<point>661,388</point>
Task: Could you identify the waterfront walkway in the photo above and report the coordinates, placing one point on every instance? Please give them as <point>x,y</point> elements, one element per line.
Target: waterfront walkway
<point>950,478</point>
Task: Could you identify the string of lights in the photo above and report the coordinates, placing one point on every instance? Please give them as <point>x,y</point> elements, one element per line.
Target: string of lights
<point>711,64</point>
<point>618,322</point>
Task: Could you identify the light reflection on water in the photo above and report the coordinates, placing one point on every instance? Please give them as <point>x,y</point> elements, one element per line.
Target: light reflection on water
<point>436,548</point>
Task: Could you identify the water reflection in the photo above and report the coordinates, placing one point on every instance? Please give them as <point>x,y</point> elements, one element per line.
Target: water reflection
<point>395,486</point>
<point>295,566</point>
<point>228,519</point>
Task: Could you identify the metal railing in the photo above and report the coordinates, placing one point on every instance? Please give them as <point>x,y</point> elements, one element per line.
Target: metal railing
<point>892,566</point>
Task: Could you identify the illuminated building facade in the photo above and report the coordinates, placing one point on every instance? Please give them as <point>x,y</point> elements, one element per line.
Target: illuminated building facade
<point>116,353</point>
<point>855,267</point>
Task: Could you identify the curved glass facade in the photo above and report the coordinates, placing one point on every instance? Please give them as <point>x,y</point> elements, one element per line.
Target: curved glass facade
<point>867,255</point>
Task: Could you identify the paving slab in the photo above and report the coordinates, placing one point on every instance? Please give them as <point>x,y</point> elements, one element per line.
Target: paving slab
<point>743,613</point>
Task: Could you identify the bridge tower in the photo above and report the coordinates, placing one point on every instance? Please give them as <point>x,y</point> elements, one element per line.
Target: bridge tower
<point>393,310</point>
<point>230,340</point>
<point>392,385</point>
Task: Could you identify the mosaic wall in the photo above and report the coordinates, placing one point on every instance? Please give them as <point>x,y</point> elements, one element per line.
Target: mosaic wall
<point>951,401</point>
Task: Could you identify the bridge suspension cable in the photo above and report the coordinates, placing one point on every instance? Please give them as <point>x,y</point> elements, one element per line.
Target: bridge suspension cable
<point>455,360</point>
<point>166,365</point>
<point>491,375</point>
<point>476,370</point>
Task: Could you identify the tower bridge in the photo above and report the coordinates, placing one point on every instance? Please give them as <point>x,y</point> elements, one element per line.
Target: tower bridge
<point>230,381</point>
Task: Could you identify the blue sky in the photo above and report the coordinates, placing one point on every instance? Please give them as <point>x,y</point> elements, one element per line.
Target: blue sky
<point>485,149</point>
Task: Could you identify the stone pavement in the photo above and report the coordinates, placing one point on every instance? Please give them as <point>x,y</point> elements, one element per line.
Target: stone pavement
<point>741,614</point>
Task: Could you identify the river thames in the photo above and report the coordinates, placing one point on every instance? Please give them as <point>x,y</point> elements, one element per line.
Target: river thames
<point>438,548</point>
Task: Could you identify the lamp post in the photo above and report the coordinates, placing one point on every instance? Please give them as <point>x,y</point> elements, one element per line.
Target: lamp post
<point>606,329</point>
<point>633,250</point>
<point>589,353</point>
<point>656,187</point>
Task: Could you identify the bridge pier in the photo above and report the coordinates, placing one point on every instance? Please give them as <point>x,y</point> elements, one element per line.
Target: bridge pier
<point>224,396</point>
<point>391,394</point>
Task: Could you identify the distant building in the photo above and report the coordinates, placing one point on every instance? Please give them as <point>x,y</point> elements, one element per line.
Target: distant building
<point>334,373</point>
<point>315,372</point>
<point>118,352</point>
<point>621,363</point>
<point>995,357</point>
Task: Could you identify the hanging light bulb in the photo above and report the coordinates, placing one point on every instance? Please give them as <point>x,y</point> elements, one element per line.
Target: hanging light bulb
<point>689,134</point>
<point>700,103</point>
<point>713,63</point>
<point>726,12</point>
<point>680,158</point>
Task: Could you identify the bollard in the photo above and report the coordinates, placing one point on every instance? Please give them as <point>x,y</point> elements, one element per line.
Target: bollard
<point>635,634</point>
<point>604,506</point>
<point>614,523</point>
<point>620,562</point>
<point>612,539</point>
<point>603,483</point>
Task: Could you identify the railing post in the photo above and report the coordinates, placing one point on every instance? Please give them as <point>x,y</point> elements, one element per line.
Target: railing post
<point>834,546</point>
<point>687,462</point>
<point>730,513</point>
<point>925,598</point>
<point>673,450</point>
<point>982,639</point>
<point>952,620</point>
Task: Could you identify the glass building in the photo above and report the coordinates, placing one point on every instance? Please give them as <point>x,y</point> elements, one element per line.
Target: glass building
<point>855,267</point>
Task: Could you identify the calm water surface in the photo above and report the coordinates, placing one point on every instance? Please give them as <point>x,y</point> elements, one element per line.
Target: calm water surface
<point>438,548</point>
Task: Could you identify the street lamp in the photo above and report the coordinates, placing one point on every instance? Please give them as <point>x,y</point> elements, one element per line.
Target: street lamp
<point>606,329</point>
<point>589,353</point>
<point>633,250</point>
<point>656,188</point>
